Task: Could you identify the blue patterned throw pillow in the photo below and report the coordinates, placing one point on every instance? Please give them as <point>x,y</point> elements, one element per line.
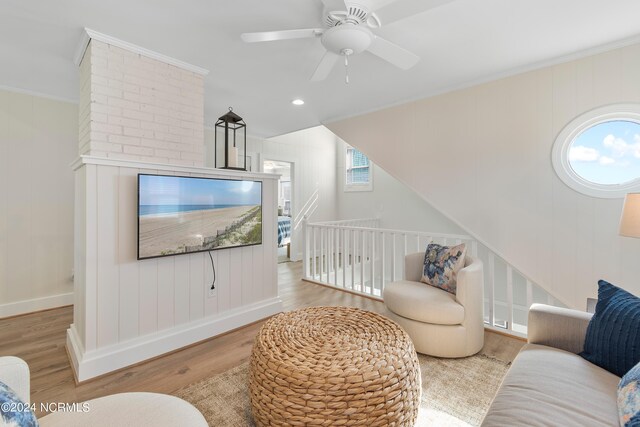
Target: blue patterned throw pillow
<point>629,398</point>
<point>441,265</point>
<point>13,411</point>
<point>613,335</point>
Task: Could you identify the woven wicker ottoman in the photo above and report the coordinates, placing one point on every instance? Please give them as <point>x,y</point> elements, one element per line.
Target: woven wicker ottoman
<point>333,366</point>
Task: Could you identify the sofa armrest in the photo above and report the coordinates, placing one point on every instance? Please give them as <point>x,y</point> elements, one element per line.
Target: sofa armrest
<point>14,372</point>
<point>557,327</point>
<point>413,265</point>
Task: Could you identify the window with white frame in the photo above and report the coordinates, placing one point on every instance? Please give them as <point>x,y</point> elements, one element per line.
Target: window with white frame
<point>358,171</point>
<point>598,153</point>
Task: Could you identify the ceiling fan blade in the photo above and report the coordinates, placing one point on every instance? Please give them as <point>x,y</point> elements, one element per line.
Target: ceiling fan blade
<point>334,4</point>
<point>325,66</point>
<point>400,9</point>
<point>268,36</point>
<point>393,53</point>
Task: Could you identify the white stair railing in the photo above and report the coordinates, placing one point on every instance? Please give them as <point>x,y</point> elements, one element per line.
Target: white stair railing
<point>359,257</point>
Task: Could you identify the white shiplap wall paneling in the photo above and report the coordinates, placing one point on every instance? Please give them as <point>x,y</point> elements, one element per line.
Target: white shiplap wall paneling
<point>135,306</point>
<point>107,255</point>
<point>482,156</point>
<point>166,292</point>
<point>90,259</point>
<point>223,281</point>
<point>181,286</point>
<point>196,286</point>
<point>210,301</point>
<point>235,277</point>
<point>129,268</point>
<point>148,303</point>
<point>246,277</point>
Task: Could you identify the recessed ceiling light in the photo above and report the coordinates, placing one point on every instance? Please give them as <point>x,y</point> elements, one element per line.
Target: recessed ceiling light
<point>297,101</point>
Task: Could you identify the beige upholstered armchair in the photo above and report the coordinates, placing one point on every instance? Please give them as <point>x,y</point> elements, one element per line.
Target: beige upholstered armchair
<point>440,324</point>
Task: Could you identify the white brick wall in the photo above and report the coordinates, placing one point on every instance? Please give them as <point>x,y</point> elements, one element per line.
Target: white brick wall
<point>138,108</point>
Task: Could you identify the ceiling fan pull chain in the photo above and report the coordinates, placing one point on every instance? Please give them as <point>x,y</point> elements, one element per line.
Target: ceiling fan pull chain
<point>346,69</point>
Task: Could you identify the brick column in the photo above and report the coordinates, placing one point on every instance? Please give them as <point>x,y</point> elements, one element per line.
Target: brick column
<point>135,107</point>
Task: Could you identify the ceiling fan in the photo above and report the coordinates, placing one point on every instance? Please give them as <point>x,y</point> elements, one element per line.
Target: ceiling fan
<point>349,25</point>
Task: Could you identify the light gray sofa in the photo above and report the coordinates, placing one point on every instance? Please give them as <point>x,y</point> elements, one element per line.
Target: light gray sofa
<point>123,409</point>
<point>548,384</point>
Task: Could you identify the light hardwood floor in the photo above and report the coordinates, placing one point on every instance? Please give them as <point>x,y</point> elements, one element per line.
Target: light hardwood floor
<point>39,339</point>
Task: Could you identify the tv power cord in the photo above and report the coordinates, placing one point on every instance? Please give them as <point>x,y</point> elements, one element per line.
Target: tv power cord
<point>213,267</point>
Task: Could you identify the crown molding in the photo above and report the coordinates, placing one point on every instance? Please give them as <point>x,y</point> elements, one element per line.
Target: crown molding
<point>573,56</point>
<point>82,47</point>
<point>38,94</point>
<point>89,34</point>
<point>166,167</point>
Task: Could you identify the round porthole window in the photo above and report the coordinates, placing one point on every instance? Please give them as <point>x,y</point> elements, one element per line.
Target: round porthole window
<point>598,153</point>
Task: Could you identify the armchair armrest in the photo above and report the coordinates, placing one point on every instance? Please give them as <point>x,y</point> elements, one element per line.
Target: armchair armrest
<point>469,293</point>
<point>470,287</point>
<point>557,327</point>
<point>413,265</point>
<point>14,372</point>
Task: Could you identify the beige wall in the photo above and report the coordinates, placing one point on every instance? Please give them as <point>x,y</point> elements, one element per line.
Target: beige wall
<point>38,142</point>
<point>482,156</point>
<point>396,205</point>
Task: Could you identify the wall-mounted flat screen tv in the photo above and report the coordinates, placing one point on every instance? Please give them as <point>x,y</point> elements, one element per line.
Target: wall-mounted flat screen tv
<point>181,215</point>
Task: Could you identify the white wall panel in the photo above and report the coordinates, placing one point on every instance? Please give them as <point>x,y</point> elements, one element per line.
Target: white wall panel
<point>210,302</point>
<point>196,286</point>
<point>128,266</point>
<point>181,289</point>
<point>222,276</point>
<point>107,250</point>
<point>258,255</point>
<point>166,292</point>
<point>482,156</point>
<point>148,305</point>
<point>248,293</point>
<point>235,277</point>
<point>129,302</point>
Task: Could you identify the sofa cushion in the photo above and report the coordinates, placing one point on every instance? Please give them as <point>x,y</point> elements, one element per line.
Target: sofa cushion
<point>416,301</point>
<point>441,265</point>
<point>546,386</point>
<point>629,398</point>
<point>13,411</point>
<point>613,335</point>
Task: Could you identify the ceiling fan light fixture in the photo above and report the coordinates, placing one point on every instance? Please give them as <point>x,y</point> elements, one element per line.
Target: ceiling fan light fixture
<point>348,32</point>
<point>298,101</point>
<point>348,36</point>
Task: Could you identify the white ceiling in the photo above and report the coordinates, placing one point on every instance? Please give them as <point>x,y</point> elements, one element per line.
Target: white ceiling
<point>460,42</point>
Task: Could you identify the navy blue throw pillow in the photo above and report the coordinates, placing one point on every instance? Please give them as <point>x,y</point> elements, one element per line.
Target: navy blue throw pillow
<point>613,334</point>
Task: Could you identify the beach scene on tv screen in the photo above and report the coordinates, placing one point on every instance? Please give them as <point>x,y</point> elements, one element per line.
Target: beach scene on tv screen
<point>179,215</point>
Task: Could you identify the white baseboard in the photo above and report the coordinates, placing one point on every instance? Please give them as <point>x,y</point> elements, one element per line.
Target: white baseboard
<point>35,304</point>
<point>90,364</point>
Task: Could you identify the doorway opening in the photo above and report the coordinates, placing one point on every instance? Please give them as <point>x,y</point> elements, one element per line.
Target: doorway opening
<point>285,205</point>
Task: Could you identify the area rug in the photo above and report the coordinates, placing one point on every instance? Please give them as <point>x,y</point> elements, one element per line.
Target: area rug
<point>455,392</point>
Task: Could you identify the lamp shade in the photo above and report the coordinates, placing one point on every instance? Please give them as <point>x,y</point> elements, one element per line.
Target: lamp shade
<point>630,219</point>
